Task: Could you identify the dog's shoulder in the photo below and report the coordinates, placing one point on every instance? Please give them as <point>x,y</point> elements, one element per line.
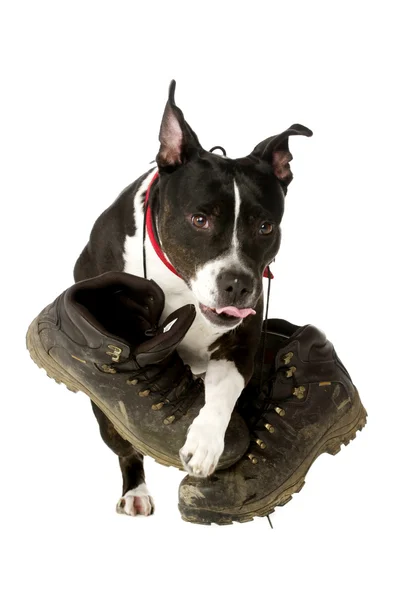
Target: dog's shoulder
<point>104,251</point>
<point>119,217</point>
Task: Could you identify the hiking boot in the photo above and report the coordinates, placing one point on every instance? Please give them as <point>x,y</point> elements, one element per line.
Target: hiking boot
<point>307,405</point>
<point>101,337</point>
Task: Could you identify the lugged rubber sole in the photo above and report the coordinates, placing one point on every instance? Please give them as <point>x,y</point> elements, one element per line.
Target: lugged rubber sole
<point>44,361</point>
<point>342,432</point>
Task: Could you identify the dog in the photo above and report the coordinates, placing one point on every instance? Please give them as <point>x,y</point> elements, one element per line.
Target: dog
<point>214,225</point>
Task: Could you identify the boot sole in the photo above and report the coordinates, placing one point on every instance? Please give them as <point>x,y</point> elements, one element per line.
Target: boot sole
<point>44,361</point>
<point>342,432</point>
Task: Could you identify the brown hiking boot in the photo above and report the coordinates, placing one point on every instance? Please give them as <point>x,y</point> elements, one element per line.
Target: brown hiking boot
<point>101,337</point>
<point>307,405</point>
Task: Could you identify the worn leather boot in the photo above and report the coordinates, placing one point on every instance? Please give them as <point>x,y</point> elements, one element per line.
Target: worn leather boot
<point>101,337</point>
<point>300,403</point>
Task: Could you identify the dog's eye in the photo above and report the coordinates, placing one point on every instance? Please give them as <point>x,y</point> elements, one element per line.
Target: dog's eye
<point>266,228</point>
<point>200,221</point>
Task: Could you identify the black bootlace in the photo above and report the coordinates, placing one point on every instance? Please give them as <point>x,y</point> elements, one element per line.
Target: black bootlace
<point>265,330</point>
<point>263,414</point>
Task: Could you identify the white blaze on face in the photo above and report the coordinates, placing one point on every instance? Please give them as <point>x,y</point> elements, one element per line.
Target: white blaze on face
<point>235,244</point>
<point>204,285</point>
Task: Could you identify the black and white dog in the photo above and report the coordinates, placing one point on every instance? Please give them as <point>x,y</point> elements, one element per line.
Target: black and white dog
<point>216,228</point>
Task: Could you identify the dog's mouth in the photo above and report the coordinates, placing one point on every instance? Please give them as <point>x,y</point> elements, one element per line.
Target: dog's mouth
<point>227,315</point>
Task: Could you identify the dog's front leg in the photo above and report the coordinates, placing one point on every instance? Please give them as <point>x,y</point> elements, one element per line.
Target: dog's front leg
<point>205,440</point>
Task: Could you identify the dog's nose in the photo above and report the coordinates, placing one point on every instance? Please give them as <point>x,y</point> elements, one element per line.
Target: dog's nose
<point>235,287</point>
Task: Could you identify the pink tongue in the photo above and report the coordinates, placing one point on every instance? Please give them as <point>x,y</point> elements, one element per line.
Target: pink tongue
<point>241,313</point>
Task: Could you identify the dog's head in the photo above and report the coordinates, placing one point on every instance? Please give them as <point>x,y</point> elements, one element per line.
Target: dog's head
<point>219,219</point>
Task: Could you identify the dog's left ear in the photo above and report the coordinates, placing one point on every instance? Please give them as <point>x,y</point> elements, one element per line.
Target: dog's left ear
<point>275,150</point>
<point>178,142</point>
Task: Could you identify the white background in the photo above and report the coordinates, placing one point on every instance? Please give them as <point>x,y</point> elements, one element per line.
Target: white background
<point>83,90</point>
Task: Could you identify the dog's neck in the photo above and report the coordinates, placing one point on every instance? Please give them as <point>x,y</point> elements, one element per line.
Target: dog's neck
<point>136,250</point>
<point>150,226</point>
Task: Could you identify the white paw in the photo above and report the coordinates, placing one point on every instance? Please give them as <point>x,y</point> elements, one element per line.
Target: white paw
<point>202,449</point>
<point>136,502</point>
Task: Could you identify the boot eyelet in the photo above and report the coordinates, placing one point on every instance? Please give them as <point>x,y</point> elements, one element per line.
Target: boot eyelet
<point>252,458</point>
<point>269,427</point>
<point>299,392</point>
<point>150,298</point>
<point>144,393</point>
<point>108,369</point>
<point>261,444</point>
<point>114,352</point>
<point>169,420</point>
<point>132,381</point>
<point>157,406</point>
<point>281,412</point>
<point>289,372</point>
<point>287,358</point>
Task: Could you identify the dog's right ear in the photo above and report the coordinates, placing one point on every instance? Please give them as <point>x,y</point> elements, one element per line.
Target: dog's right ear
<point>178,143</point>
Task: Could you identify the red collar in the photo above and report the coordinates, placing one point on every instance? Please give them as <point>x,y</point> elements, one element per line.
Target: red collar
<point>152,237</point>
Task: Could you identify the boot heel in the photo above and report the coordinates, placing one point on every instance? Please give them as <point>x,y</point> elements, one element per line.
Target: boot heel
<point>44,360</point>
<point>344,433</point>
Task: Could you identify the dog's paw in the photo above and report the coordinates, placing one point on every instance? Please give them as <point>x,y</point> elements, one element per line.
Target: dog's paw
<point>136,502</point>
<point>202,450</point>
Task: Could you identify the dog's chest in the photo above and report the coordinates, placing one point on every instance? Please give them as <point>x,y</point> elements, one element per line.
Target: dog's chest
<point>194,347</point>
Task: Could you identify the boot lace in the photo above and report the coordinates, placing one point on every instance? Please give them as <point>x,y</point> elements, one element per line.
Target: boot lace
<point>170,386</point>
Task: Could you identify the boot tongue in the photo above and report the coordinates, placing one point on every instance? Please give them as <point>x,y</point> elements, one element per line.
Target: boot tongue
<point>308,333</point>
<point>310,339</point>
<point>167,338</point>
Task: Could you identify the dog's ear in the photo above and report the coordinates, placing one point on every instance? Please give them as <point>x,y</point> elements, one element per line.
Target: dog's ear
<point>178,143</point>
<point>275,150</point>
